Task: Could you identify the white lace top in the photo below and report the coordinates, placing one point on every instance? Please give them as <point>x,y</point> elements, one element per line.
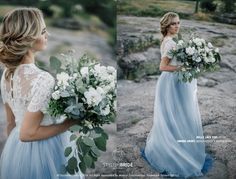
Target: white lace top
<point>168,44</point>
<point>29,89</point>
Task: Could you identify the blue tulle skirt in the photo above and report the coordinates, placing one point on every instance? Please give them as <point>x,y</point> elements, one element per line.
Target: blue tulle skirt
<point>172,146</point>
<point>41,159</point>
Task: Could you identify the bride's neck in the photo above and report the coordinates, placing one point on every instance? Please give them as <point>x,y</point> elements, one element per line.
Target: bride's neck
<point>28,58</point>
<point>171,35</point>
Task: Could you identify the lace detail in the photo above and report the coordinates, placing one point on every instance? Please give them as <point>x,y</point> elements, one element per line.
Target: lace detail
<point>41,93</point>
<point>31,89</point>
<point>166,46</point>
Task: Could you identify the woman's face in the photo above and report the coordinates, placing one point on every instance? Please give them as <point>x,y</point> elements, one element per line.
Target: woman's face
<point>41,42</point>
<point>174,26</point>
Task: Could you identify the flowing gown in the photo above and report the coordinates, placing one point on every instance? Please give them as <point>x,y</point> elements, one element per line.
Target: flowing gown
<point>172,147</point>
<point>30,91</point>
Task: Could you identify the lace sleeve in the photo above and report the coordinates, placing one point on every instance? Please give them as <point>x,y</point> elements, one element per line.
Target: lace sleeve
<point>41,92</point>
<point>3,89</point>
<point>170,44</point>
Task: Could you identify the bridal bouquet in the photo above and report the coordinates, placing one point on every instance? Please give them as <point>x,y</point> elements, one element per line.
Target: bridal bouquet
<point>86,92</point>
<point>196,56</point>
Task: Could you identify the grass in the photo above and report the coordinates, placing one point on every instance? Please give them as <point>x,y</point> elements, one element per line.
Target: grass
<point>155,7</point>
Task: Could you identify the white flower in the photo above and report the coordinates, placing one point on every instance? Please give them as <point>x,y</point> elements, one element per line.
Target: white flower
<point>100,91</point>
<point>190,50</point>
<point>197,41</point>
<point>209,59</point>
<point>56,95</point>
<point>84,71</point>
<point>198,70</point>
<point>111,70</point>
<point>183,69</point>
<point>180,42</point>
<point>75,75</point>
<point>106,110</point>
<point>93,97</point>
<point>63,79</point>
<point>207,50</point>
<point>61,119</point>
<point>210,45</point>
<point>217,50</point>
<point>88,124</point>
<point>198,59</point>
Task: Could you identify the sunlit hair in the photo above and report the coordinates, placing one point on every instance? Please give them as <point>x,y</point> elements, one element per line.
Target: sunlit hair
<point>166,21</point>
<point>19,30</point>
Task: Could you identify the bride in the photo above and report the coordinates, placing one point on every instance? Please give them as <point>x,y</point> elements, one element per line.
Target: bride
<point>35,147</point>
<point>176,116</point>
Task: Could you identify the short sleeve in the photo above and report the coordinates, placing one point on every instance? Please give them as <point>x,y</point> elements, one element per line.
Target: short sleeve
<point>3,89</point>
<point>41,92</point>
<point>168,45</point>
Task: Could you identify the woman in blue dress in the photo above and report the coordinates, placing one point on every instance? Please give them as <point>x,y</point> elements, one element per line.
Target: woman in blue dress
<point>35,146</point>
<point>171,147</point>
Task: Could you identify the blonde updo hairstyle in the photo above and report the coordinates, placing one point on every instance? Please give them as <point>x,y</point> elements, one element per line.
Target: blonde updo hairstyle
<point>19,30</point>
<point>166,21</point>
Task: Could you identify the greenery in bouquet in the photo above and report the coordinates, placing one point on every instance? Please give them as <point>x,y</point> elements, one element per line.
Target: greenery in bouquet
<point>196,56</point>
<point>86,92</point>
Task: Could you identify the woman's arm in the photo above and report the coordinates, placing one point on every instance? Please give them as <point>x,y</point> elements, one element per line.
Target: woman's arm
<point>10,118</point>
<point>164,65</point>
<point>31,129</point>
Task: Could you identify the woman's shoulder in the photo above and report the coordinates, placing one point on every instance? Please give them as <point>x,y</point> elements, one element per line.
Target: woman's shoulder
<point>46,77</point>
<point>169,40</point>
<point>39,75</point>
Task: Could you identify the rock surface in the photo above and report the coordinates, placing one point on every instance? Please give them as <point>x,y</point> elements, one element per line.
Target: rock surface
<point>216,96</point>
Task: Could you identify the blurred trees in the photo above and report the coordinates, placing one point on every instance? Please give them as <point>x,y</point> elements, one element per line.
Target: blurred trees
<point>104,9</point>
<point>228,6</point>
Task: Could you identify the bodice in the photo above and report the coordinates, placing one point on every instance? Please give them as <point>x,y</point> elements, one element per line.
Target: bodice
<point>29,89</point>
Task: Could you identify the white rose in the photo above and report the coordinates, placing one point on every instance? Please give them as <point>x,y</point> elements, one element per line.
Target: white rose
<point>56,95</point>
<point>111,70</point>
<point>199,43</point>
<point>210,45</point>
<point>93,97</point>
<point>209,59</point>
<point>84,71</point>
<point>63,78</point>
<point>207,50</point>
<point>198,59</point>
<point>212,59</point>
<point>180,42</point>
<point>106,110</point>
<point>217,50</point>
<point>190,50</point>
<point>100,91</point>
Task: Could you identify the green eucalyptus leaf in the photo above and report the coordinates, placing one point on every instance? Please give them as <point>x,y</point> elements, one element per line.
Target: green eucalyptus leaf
<point>72,163</point>
<point>100,143</point>
<point>73,137</point>
<point>88,160</point>
<point>88,141</point>
<point>55,63</point>
<point>68,151</point>
<point>70,170</point>
<point>82,167</point>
